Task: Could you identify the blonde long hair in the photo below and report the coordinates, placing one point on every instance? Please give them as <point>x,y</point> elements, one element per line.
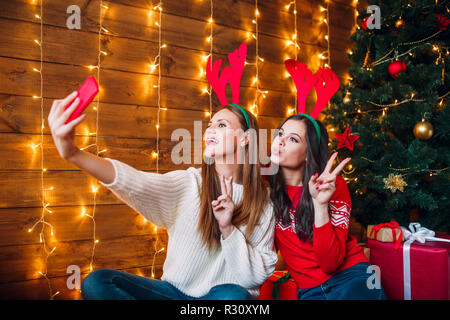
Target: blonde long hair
<point>255,193</point>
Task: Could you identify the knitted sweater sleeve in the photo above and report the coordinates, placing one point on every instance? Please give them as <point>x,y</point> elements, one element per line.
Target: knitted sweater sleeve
<point>155,196</point>
<point>252,262</point>
<point>329,240</point>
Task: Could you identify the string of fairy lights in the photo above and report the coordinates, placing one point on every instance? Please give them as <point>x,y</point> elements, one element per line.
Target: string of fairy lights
<point>42,221</point>
<point>210,40</point>
<point>326,55</point>
<point>211,47</point>
<point>294,43</point>
<point>155,154</point>
<point>94,188</point>
<point>254,108</point>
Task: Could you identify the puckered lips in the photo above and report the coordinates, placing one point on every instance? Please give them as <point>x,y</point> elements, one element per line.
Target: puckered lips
<point>276,151</point>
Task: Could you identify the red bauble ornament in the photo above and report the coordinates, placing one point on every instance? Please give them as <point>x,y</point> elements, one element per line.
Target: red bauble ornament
<point>365,21</point>
<point>364,24</point>
<point>396,67</point>
<point>442,22</point>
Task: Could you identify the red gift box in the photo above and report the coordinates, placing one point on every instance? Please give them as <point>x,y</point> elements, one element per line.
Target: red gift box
<point>287,289</point>
<point>429,269</point>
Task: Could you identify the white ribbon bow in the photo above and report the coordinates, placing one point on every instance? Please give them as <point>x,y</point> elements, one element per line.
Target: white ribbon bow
<point>421,234</point>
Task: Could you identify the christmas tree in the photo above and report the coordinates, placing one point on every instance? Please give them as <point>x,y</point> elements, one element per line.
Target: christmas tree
<point>395,100</point>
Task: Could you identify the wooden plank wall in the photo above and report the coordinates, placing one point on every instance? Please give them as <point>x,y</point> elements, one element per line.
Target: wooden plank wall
<point>126,116</point>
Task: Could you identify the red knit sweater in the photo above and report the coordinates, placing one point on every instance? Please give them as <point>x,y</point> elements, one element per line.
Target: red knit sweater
<point>332,249</point>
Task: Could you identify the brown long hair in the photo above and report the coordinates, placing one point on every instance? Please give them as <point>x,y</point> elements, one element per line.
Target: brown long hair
<point>255,196</point>
<point>317,156</point>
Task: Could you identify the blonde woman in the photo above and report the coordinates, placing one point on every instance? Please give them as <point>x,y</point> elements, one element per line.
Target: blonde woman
<point>219,217</point>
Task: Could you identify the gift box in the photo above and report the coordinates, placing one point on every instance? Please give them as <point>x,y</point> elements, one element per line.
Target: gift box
<point>385,232</point>
<point>366,249</point>
<point>280,286</point>
<point>367,252</point>
<point>417,270</point>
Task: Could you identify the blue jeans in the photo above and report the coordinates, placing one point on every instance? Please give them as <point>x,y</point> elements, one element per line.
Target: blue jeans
<point>349,284</point>
<point>109,284</point>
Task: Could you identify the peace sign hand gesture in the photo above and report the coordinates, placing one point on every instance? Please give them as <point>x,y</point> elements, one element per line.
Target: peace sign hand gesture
<point>322,187</point>
<point>223,207</point>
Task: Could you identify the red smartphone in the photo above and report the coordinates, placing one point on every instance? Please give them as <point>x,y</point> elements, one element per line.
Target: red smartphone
<point>86,93</point>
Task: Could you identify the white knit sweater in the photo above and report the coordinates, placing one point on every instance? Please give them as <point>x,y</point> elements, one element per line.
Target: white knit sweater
<point>172,201</point>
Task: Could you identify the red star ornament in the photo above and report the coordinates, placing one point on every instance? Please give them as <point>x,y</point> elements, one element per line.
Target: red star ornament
<point>346,139</point>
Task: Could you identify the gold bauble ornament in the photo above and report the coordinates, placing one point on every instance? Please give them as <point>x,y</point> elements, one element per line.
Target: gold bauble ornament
<point>423,130</point>
<point>400,23</point>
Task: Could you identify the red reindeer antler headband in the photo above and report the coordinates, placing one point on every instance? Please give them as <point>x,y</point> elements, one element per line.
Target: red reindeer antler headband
<point>324,81</point>
<point>233,75</point>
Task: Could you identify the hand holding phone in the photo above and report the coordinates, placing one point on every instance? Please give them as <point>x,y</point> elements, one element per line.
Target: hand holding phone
<point>85,93</point>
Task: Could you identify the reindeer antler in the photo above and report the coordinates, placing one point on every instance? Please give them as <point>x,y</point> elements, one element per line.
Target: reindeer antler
<point>233,74</point>
<point>304,81</point>
<point>326,86</point>
<point>324,81</point>
<point>237,62</point>
<point>218,83</point>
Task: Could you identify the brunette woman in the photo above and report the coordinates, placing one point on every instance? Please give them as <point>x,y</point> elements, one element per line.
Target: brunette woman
<point>312,207</point>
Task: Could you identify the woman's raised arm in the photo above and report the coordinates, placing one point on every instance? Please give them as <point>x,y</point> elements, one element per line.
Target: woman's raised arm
<point>98,167</point>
